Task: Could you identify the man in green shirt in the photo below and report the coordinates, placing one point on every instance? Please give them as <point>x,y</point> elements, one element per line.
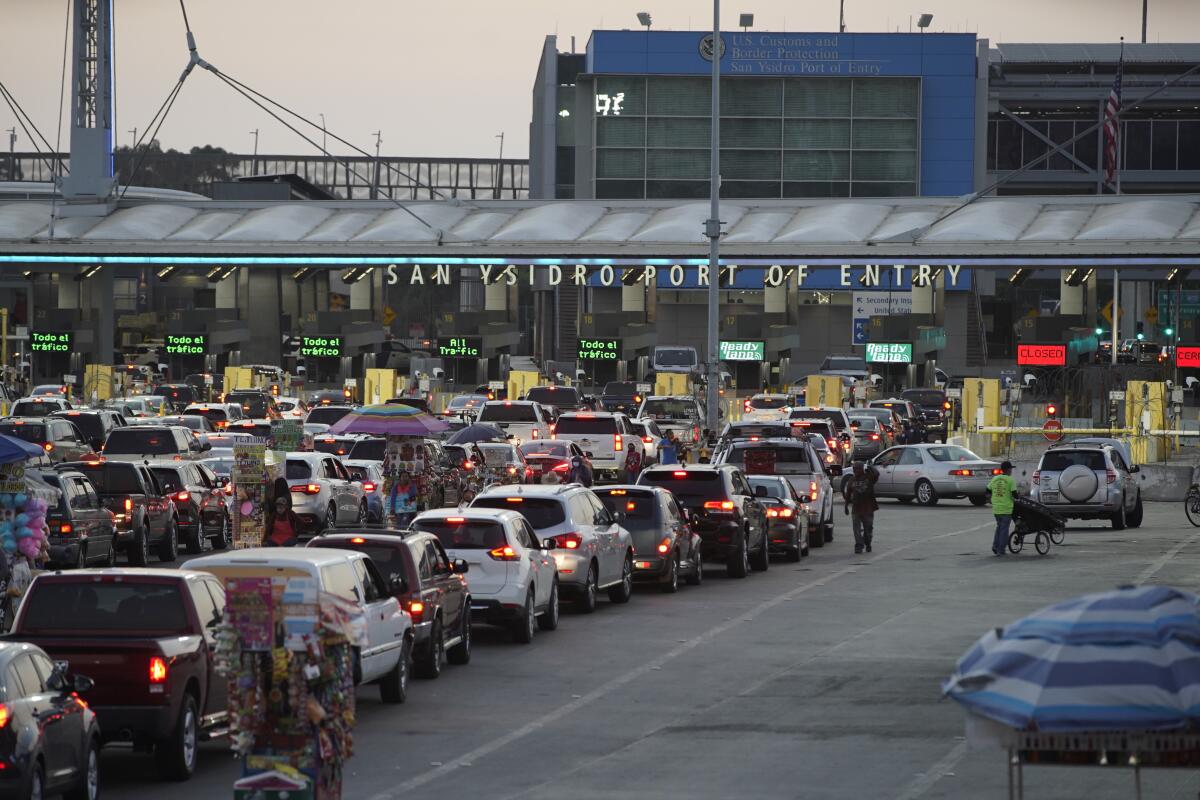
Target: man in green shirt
<point>1002,488</point>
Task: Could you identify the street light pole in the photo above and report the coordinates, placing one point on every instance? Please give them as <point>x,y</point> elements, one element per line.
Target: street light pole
<point>712,229</point>
<point>1145,14</point>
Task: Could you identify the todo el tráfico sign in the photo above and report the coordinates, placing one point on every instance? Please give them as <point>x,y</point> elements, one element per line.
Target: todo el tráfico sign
<point>741,351</point>
<point>598,349</point>
<point>51,341</point>
<point>321,346</point>
<point>187,344</point>
<point>889,353</point>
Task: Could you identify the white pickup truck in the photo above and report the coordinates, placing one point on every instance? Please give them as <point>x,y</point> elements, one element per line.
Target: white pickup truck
<point>522,420</point>
<point>607,437</point>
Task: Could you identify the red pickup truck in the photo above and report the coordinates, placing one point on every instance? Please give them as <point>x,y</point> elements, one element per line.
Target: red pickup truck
<point>147,638</point>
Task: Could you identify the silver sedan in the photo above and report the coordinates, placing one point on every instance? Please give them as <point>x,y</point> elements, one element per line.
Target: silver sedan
<point>930,472</point>
<point>868,437</point>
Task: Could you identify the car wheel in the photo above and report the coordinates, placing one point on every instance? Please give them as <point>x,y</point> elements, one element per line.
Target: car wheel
<point>926,495</point>
<point>796,550</point>
<point>696,576</point>
<point>623,591</point>
<point>195,542</point>
<point>670,584</point>
<point>168,548</point>
<point>461,653</point>
<point>37,782</point>
<point>978,500</point>
<point>761,560</point>
<point>816,535</point>
<point>739,561</point>
<point>827,529</point>
<point>222,540</point>
<point>81,557</point>
<point>330,517</point>
<point>1119,520</point>
<point>548,621</point>
<point>362,513</point>
<point>88,787</point>
<point>429,665</point>
<point>176,756</point>
<point>393,688</point>
<point>138,552</point>
<point>111,559</point>
<point>524,626</point>
<point>587,600</point>
<point>1135,517</point>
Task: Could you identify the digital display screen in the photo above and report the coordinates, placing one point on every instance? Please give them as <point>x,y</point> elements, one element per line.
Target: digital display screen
<point>742,351</point>
<point>1042,355</point>
<point>321,346</point>
<point>185,344</point>
<point>460,347</point>
<point>1187,356</point>
<point>599,350</point>
<point>51,341</point>
<point>889,353</point>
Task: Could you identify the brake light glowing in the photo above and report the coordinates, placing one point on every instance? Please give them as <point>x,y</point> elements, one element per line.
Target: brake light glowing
<point>679,473</point>
<point>648,439</point>
<point>307,488</point>
<point>664,546</point>
<point>874,437</point>
<point>66,527</point>
<point>4,715</point>
<point>415,609</point>
<point>456,519</point>
<point>746,406</point>
<point>962,473</point>
<point>570,541</point>
<point>998,471</point>
<point>563,467</point>
<point>812,489</point>
<point>719,505</point>
<point>779,512</point>
<point>505,553</point>
<point>128,505</point>
<point>535,433</point>
<point>368,486</point>
<point>182,496</point>
<point>618,443</point>
<point>946,405</point>
<point>158,670</point>
<point>630,506</point>
<point>357,540</point>
<point>48,447</point>
<point>621,492</point>
<point>514,499</point>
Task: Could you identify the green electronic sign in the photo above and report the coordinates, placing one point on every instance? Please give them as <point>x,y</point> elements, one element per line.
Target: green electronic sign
<point>187,344</point>
<point>599,350</point>
<point>742,351</point>
<point>460,347</point>
<point>321,346</point>
<point>889,353</point>
<point>51,341</point>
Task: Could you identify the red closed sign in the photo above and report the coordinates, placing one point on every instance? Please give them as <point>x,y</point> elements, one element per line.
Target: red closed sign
<point>1187,356</point>
<point>1042,355</point>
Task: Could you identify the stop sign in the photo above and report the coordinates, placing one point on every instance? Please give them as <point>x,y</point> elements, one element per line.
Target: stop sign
<point>1052,429</point>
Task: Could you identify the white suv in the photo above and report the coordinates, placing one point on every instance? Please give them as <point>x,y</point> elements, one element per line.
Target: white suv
<point>514,579</point>
<point>608,439</point>
<point>591,549</point>
<point>522,420</point>
<point>1089,481</point>
<point>324,495</point>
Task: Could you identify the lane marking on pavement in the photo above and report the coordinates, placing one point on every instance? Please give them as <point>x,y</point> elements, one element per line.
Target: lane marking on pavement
<point>622,680</point>
<point>1152,570</point>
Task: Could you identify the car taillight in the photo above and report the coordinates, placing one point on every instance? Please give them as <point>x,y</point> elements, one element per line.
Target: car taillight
<point>66,527</point>
<point>998,471</point>
<point>783,513</point>
<point>5,715</point>
<point>946,405</point>
<point>618,443</point>
<point>307,488</point>
<point>182,496</point>
<point>569,541</point>
<point>468,465</point>
<point>229,488</point>
<point>679,473</point>
<point>128,505</point>
<point>746,406</point>
<point>48,447</point>
<point>1110,476</point>
<point>158,670</point>
<point>512,470</point>
<point>718,505</point>
<point>415,609</point>
<point>812,489</point>
<point>696,434</point>
<point>833,445</point>
<point>368,486</point>
<point>535,433</point>
<point>648,439</point>
<point>874,437</point>
<point>504,553</point>
<point>563,467</point>
<point>1032,479</point>
<point>664,546</point>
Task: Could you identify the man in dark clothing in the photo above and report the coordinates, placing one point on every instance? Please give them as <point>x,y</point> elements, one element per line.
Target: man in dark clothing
<point>858,490</point>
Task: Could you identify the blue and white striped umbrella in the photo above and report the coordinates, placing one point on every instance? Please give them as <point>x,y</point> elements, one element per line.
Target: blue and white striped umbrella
<point>1122,660</point>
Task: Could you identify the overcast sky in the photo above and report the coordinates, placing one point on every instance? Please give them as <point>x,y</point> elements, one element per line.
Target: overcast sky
<point>444,78</point>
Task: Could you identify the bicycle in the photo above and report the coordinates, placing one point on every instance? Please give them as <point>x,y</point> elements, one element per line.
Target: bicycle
<point>1191,505</point>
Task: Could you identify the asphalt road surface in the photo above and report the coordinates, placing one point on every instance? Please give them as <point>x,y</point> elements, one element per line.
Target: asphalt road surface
<point>816,680</point>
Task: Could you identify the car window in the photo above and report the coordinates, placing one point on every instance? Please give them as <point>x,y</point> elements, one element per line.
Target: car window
<point>205,476</point>
<point>437,557</point>
<point>375,575</point>
<point>421,557</point>
<point>28,674</point>
<point>599,512</point>
<point>217,593</point>
<point>911,455</point>
<point>330,469</point>
<point>339,579</point>
<point>541,512</point>
<point>888,458</point>
<point>206,609</point>
<point>370,590</point>
<point>1058,460</point>
<point>298,470</point>
<point>1118,461</point>
<point>168,479</point>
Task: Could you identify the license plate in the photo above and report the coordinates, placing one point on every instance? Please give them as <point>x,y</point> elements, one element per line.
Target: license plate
<point>643,564</point>
<point>1049,496</point>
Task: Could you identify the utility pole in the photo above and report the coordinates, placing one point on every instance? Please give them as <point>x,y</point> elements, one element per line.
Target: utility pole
<point>498,191</point>
<point>1145,14</point>
<point>712,229</point>
<point>842,16</point>
<point>12,154</point>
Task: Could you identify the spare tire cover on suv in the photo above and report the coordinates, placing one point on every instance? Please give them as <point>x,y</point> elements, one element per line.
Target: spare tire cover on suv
<point>1077,483</point>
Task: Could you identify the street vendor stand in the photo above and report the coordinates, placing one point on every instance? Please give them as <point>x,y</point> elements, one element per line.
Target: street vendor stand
<point>255,469</point>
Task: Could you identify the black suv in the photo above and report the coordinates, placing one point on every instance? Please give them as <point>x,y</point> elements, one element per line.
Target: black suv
<point>721,508</point>
<point>621,396</point>
<point>80,528</point>
<point>199,501</point>
<point>934,407</point>
<point>94,424</point>
<point>429,586</point>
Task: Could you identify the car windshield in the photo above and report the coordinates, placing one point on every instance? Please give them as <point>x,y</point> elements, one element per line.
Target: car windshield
<point>540,512</point>
<point>467,401</point>
<point>881,414</point>
<point>675,358</point>
<point>951,453</point>
<point>112,479</point>
<point>926,398</point>
<point>219,466</point>
<point>688,486</point>
<point>817,427</point>
<point>139,441</point>
<point>776,487</point>
<point>34,408</point>
<point>497,455</point>
<point>372,449</point>
<point>213,415</point>
<point>90,425</point>
<point>358,474</point>
<point>560,396</point>
<point>638,507</point>
<point>104,606</point>
<point>587,425</point>
<point>298,470</point>
<point>796,457</point>
<point>864,423</point>
<point>460,533</point>
<point>814,414</point>
<point>1058,460</point>
<point>768,402</point>
<point>762,431</point>
<point>507,412</point>
<point>620,389</point>
<point>326,415</point>
<point>900,408</point>
<point>34,434</point>
<point>668,408</point>
<point>332,445</point>
<point>560,449</point>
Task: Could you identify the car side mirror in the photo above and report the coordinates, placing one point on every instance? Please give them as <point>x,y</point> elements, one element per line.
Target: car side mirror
<point>460,566</point>
<point>618,517</point>
<point>205,447</point>
<point>806,498</point>
<point>760,491</point>
<point>588,454</point>
<point>549,543</point>
<point>1135,469</point>
<point>398,585</point>
<point>56,682</point>
<point>82,683</point>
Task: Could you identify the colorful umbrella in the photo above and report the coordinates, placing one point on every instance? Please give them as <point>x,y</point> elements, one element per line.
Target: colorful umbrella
<point>389,420</point>
<point>1122,660</point>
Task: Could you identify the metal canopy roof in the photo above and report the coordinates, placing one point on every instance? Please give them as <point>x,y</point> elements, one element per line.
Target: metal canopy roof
<point>1095,53</point>
<point>1109,226</point>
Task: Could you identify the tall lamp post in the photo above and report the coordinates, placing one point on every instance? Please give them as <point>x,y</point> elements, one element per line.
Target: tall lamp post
<point>712,229</point>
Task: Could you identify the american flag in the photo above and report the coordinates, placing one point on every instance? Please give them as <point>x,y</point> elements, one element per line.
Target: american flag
<point>1112,122</point>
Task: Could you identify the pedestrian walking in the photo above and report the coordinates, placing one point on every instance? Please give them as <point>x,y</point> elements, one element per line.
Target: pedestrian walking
<point>402,500</point>
<point>1002,488</point>
<point>858,490</point>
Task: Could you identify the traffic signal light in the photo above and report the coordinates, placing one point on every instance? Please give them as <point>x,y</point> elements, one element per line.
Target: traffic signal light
<point>1051,411</point>
<point>1168,331</point>
<point>1099,331</point>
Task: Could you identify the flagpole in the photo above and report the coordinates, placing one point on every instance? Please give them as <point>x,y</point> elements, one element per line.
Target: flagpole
<point>1120,138</point>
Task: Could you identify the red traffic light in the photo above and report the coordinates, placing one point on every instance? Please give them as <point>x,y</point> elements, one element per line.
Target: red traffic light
<point>1051,410</point>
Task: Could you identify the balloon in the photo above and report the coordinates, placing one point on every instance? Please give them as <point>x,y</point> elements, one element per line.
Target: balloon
<point>9,545</point>
<point>19,500</point>
<point>22,519</point>
<point>28,547</point>
<point>24,533</point>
